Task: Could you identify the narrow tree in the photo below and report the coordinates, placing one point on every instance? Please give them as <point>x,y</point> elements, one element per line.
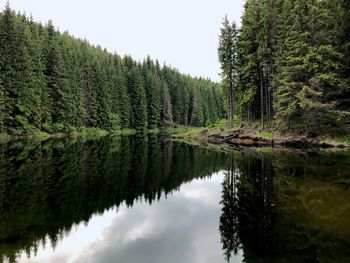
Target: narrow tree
<point>228,60</point>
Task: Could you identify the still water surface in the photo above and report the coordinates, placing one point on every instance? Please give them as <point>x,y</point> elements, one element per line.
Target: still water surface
<point>152,200</point>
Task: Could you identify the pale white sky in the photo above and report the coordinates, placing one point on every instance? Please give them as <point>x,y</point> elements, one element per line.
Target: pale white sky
<point>183,33</point>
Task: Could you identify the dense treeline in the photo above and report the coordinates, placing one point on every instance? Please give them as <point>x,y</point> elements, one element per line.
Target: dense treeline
<point>53,82</point>
<point>291,63</point>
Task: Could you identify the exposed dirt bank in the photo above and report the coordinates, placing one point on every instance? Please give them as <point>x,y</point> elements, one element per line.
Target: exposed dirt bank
<point>249,137</point>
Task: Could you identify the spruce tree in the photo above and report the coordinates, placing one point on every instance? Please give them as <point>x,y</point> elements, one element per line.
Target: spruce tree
<point>16,71</point>
<point>56,77</point>
<point>2,93</point>
<point>124,105</point>
<point>153,85</point>
<point>37,76</point>
<point>247,67</point>
<point>137,99</point>
<point>292,71</point>
<point>228,60</point>
<point>166,117</point>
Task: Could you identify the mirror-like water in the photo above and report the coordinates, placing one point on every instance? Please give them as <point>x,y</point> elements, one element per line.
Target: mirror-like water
<point>153,200</point>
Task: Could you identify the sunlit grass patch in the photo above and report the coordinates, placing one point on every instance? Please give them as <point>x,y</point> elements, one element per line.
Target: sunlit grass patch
<point>265,134</point>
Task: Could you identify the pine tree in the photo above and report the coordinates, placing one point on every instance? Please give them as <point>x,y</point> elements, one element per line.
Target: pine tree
<point>166,116</point>
<point>56,77</point>
<point>292,71</point>
<point>138,99</point>
<point>86,85</point>
<point>228,59</point>
<point>324,64</point>
<point>2,93</point>
<point>267,44</point>
<point>153,85</point>
<point>16,71</point>
<point>248,79</point>
<point>37,77</point>
<point>75,99</point>
<point>124,106</point>
<point>342,14</point>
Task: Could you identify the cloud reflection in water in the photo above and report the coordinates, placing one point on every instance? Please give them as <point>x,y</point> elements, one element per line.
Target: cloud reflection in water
<point>180,228</point>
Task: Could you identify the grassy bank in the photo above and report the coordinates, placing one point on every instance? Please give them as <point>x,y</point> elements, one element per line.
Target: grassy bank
<point>254,133</point>
<point>195,132</point>
<point>186,132</point>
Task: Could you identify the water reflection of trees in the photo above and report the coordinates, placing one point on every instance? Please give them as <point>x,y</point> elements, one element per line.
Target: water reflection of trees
<point>48,187</point>
<point>246,206</point>
<point>228,220</point>
<point>257,213</point>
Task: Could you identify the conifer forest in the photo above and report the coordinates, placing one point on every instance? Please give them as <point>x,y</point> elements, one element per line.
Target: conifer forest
<point>228,143</point>
<point>288,66</point>
<point>53,82</point>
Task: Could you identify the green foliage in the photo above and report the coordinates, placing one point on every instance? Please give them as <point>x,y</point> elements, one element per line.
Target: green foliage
<point>248,72</point>
<point>138,99</point>
<point>56,83</point>
<point>58,127</point>
<point>183,132</point>
<point>227,52</point>
<point>46,127</point>
<point>114,121</point>
<point>219,124</point>
<point>293,63</point>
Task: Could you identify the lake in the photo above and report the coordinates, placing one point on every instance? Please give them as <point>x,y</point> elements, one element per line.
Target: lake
<point>154,200</point>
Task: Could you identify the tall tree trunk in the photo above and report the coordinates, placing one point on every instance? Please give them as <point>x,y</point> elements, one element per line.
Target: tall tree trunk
<point>266,92</point>
<point>289,123</point>
<point>229,106</point>
<point>248,113</point>
<point>262,98</point>
<point>233,104</point>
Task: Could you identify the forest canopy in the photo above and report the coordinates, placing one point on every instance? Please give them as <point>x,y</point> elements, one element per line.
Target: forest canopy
<point>291,64</point>
<point>288,66</point>
<point>53,82</point>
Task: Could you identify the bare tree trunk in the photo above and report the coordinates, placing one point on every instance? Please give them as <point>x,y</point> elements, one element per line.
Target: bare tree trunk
<point>262,98</point>
<point>318,122</point>
<point>228,106</point>
<point>242,113</point>
<point>268,98</point>
<point>248,113</point>
<point>273,101</point>
<point>230,97</point>
<point>233,104</point>
<point>289,123</point>
<point>266,104</point>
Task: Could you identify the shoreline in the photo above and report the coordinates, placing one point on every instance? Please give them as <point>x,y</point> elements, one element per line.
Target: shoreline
<point>244,137</point>
<point>252,138</point>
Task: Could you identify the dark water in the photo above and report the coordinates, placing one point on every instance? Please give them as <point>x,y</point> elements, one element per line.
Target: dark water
<point>153,200</point>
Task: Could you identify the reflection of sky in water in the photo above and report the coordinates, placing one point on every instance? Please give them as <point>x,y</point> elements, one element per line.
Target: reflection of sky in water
<point>182,228</point>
